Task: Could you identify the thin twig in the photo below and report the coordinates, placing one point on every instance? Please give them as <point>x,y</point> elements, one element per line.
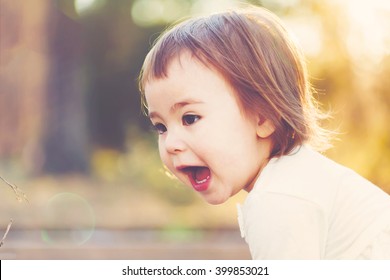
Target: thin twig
<point>6,232</point>
<point>20,195</point>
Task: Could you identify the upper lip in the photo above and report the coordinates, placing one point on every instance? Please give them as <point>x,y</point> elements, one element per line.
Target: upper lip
<point>188,168</point>
<point>180,167</point>
<point>184,168</point>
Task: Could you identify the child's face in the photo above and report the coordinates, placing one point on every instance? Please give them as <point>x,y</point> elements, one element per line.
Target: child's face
<point>205,140</point>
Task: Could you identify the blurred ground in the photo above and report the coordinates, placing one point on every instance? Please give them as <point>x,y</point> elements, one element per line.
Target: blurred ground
<point>128,244</point>
<point>75,217</point>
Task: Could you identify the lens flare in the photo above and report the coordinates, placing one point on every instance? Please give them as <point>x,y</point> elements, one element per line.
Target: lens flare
<point>69,220</point>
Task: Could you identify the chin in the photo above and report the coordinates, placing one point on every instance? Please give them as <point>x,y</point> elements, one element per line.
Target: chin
<point>215,199</point>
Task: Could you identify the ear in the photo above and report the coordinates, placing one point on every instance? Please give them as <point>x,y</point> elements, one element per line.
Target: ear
<point>265,127</point>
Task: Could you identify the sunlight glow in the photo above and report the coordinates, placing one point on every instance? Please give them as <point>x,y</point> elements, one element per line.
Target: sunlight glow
<point>308,32</point>
<point>369,29</point>
<point>367,26</point>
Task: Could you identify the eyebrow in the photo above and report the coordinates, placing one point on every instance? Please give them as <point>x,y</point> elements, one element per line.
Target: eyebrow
<point>176,106</point>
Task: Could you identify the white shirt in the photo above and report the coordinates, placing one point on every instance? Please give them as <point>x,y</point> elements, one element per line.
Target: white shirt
<point>305,206</point>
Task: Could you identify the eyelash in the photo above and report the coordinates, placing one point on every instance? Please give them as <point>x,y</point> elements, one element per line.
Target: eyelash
<point>187,120</point>
<point>190,119</point>
<point>160,128</point>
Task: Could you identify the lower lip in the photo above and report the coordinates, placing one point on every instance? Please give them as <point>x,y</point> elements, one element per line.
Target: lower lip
<point>200,187</point>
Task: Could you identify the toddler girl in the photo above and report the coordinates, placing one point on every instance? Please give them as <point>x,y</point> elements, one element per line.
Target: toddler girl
<point>230,98</point>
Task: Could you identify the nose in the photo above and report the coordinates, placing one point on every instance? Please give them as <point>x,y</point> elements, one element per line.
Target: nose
<point>174,143</point>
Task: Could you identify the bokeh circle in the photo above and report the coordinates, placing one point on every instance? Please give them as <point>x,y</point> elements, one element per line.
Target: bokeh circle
<point>69,220</point>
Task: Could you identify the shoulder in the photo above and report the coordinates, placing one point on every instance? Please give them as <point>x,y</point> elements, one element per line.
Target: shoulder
<point>306,161</point>
<point>304,173</point>
<point>281,226</point>
<point>307,192</point>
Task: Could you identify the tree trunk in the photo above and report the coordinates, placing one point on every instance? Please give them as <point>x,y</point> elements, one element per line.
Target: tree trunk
<point>65,142</point>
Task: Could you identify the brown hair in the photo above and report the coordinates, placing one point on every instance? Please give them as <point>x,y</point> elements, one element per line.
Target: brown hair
<point>256,55</point>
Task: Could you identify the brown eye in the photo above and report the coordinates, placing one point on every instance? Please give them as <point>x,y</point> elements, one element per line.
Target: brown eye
<point>190,119</point>
<point>160,128</point>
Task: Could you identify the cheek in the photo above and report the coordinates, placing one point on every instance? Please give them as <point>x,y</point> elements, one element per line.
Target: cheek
<point>165,159</point>
<point>162,153</point>
<point>236,149</point>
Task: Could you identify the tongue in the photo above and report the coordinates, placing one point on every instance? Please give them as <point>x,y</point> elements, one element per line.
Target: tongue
<point>202,173</point>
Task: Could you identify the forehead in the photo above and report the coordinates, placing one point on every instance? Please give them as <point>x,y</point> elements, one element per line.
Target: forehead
<point>159,64</point>
<point>186,78</point>
<point>183,69</point>
<point>189,79</point>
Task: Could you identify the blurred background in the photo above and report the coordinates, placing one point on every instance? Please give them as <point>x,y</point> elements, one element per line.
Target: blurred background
<point>73,139</point>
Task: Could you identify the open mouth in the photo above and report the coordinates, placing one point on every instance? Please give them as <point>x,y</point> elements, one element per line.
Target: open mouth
<point>199,176</point>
